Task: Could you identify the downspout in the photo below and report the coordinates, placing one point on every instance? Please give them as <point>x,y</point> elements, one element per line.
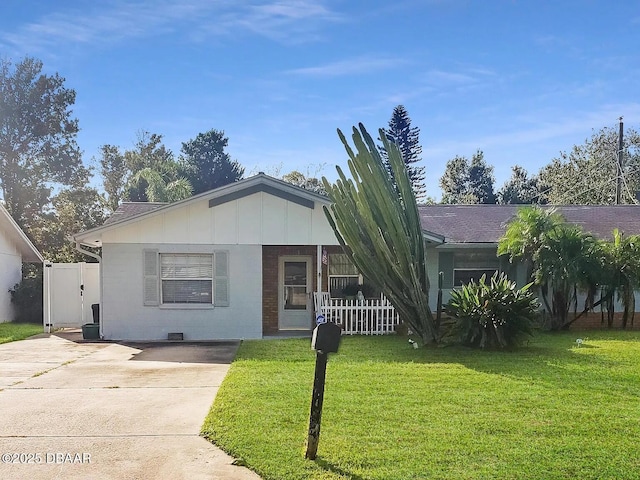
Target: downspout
<point>99,259</point>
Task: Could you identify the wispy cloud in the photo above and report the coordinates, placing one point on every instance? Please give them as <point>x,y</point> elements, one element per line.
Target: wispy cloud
<point>354,66</point>
<point>119,20</point>
<point>537,128</point>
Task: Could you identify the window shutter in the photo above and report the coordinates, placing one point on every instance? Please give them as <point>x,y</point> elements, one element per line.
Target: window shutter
<point>151,291</point>
<point>221,279</point>
<point>445,265</point>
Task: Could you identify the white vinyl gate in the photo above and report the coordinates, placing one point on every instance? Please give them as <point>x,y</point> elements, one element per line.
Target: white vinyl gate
<point>69,291</point>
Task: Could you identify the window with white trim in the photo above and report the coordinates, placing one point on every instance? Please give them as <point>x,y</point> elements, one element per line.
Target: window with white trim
<point>472,265</point>
<point>342,273</point>
<point>186,278</point>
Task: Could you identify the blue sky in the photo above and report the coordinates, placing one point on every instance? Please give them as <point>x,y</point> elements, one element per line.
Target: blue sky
<point>520,80</point>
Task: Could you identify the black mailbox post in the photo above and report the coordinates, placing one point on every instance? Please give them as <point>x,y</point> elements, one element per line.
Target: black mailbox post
<point>325,340</point>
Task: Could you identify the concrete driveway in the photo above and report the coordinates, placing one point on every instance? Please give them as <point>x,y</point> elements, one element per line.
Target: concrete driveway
<point>110,411</point>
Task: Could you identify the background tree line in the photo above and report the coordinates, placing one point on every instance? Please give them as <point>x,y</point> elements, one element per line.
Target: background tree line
<point>47,188</point>
<point>585,175</point>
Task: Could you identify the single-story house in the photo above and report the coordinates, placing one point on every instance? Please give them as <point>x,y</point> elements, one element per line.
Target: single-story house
<point>244,260</point>
<point>15,248</point>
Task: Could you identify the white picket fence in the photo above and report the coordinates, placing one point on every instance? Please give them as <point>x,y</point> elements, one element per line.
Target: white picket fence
<point>360,317</point>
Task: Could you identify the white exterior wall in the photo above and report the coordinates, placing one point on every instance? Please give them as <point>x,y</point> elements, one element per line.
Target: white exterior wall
<point>124,317</point>
<point>10,274</point>
<point>258,219</point>
<point>240,226</point>
<point>432,272</point>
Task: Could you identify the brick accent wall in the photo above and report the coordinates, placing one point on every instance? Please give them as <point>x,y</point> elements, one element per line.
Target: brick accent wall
<point>592,321</point>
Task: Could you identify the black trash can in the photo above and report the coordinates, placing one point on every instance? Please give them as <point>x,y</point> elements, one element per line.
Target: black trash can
<point>95,310</point>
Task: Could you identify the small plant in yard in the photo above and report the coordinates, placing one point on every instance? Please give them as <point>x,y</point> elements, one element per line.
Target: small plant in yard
<point>492,315</point>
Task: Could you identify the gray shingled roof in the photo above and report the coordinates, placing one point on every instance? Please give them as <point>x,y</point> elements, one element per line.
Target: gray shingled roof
<point>486,223</point>
<point>479,223</point>
<point>130,209</point>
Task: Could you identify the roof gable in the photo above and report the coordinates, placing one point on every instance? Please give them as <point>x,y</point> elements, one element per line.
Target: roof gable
<point>131,212</point>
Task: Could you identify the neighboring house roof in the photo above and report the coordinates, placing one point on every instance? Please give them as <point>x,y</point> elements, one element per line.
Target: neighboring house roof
<point>132,211</point>
<point>487,223</point>
<point>24,246</point>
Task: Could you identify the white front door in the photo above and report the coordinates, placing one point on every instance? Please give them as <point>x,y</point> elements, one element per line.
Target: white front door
<point>294,288</point>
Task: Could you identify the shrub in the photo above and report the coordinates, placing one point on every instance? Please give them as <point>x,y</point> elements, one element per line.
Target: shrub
<point>492,315</point>
<point>26,296</point>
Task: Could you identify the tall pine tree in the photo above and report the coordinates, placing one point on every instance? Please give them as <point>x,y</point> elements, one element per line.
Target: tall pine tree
<point>406,138</point>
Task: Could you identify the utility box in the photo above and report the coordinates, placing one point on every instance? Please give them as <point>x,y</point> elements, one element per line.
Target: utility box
<point>326,338</point>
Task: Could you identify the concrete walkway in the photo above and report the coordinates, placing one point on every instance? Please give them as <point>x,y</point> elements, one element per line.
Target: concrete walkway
<point>110,411</point>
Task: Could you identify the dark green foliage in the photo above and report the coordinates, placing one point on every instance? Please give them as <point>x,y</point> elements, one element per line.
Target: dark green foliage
<point>519,189</point>
<point>38,146</point>
<point>587,174</point>
<point>147,173</point>
<point>406,138</point>
<point>26,296</point>
<point>377,217</point>
<point>492,315</point>
<point>562,260</point>
<point>465,182</point>
<point>567,261</point>
<point>620,275</point>
<point>115,173</point>
<point>74,210</point>
<point>205,163</point>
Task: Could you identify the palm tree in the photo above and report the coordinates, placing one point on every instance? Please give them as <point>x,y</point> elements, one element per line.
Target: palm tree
<point>566,262</point>
<point>621,264</point>
<point>159,188</point>
<point>525,236</point>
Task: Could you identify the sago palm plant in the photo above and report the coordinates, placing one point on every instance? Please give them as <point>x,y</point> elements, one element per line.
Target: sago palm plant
<point>493,314</point>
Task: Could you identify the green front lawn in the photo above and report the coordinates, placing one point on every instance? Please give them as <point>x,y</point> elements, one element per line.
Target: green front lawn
<point>10,332</point>
<point>548,411</point>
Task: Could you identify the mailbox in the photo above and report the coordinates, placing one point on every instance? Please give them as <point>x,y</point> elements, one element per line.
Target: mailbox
<point>326,338</point>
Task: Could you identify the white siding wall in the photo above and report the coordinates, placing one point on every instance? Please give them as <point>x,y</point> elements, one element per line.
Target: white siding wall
<point>125,318</point>
<point>258,219</point>
<point>10,274</point>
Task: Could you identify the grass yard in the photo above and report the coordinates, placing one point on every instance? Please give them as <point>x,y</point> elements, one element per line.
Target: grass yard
<point>10,332</point>
<point>548,411</point>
